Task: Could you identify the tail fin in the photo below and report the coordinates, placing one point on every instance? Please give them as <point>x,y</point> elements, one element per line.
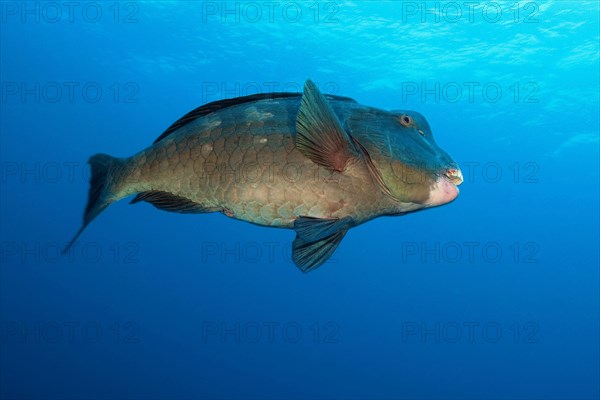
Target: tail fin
<point>100,195</point>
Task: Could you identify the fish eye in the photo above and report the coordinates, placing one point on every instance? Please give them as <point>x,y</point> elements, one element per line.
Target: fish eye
<point>406,120</point>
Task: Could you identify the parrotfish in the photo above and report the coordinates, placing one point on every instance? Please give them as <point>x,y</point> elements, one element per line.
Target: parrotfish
<point>318,164</point>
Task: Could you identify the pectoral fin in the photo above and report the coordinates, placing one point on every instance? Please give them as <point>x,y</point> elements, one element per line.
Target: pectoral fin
<point>316,240</point>
<point>319,134</point>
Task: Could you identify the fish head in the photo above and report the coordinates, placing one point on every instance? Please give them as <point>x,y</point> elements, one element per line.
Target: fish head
<point>412,167</point>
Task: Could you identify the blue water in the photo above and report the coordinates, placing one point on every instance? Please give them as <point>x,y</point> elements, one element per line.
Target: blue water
<point>495,295</point>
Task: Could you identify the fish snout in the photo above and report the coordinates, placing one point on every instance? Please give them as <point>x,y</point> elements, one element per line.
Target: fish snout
<point>455,175</point>
<point>445,187</point>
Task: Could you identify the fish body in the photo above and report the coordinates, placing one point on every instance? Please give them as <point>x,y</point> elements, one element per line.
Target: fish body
<point>314,163</point>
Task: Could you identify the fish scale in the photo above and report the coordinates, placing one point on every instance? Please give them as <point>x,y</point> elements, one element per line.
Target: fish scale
<point>266,200</point>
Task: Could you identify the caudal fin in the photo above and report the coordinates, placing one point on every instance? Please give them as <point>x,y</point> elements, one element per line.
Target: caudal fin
<point>100,195</point>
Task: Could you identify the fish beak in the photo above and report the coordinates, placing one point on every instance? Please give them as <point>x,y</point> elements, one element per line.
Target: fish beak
<point>455,175</point>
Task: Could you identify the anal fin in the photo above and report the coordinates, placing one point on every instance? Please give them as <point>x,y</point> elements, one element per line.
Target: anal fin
<point>170,202</point>
<point>316,240</point>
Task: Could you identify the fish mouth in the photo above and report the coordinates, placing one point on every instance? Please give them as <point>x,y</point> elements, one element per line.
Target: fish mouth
<point>454,175</point>
<point>445,188</point>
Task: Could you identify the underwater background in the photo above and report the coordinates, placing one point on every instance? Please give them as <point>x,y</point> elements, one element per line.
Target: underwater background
<point>495,295</point>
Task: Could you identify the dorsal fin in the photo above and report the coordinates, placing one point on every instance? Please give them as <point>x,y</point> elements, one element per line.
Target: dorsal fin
<point>221,104</point>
